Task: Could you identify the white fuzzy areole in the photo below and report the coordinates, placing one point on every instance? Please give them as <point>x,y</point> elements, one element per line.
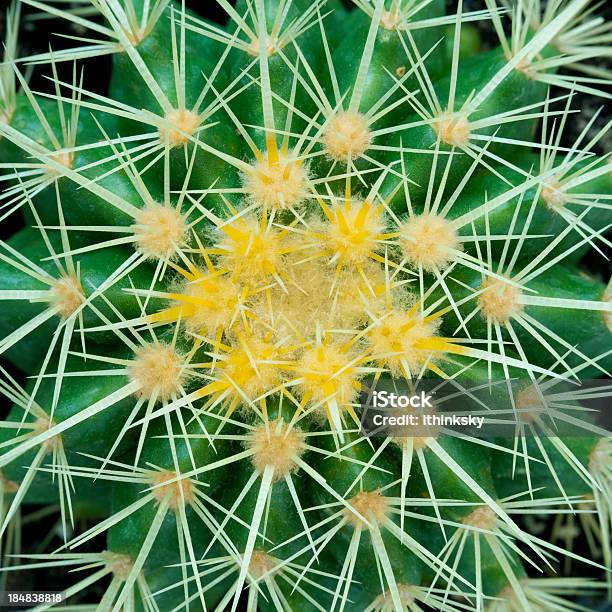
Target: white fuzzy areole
<point>159,231</point>
<point>428,240</point>
<point>276,183</point>
<point>183,124</point>
<point>276,445</point>
<point>177,493</point>
<point>67,295</point>
<point>500,301</point>
<point>158,369</point>
<point>372,505</point>
<point>347,135</point>
<point>453,130</point>
<point>600,458</point>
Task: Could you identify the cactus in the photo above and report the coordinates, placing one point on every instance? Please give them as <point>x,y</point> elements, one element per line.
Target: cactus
<point>255,224</point>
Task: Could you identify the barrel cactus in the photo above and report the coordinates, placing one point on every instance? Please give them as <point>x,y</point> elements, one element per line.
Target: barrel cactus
<point>214,259</point>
